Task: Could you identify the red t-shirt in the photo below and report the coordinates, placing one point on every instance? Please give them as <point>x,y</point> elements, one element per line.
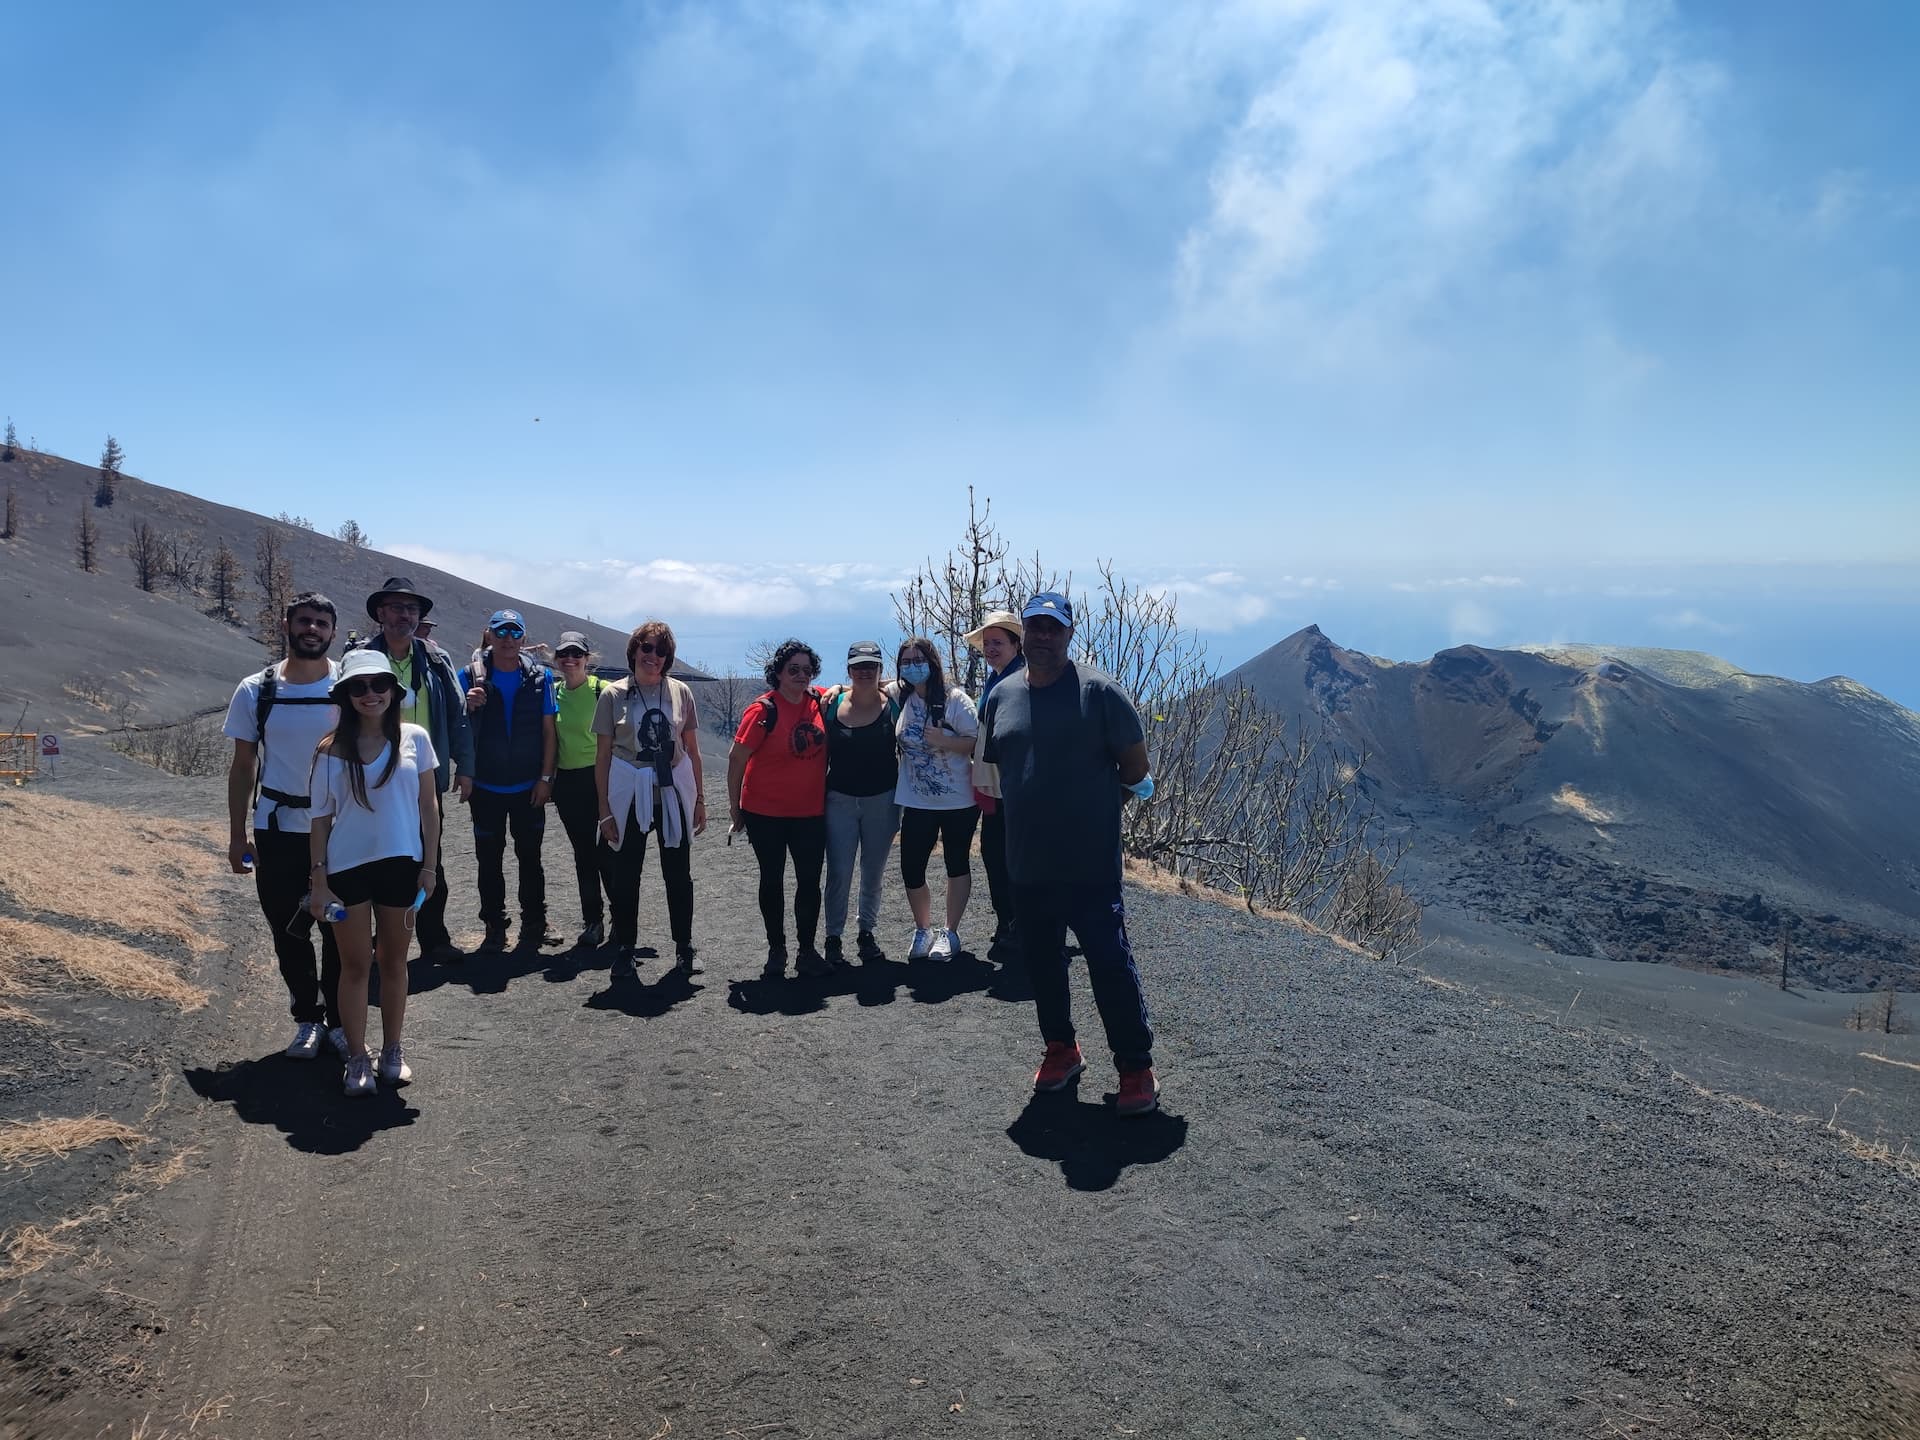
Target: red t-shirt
<point>786,774</point>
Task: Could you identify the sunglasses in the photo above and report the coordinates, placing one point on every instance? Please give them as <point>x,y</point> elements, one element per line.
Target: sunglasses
<point>647,647</point>
<point>569,657</point>
<point>376,685</point>
<point>802,672</point>
<point>510,632</point>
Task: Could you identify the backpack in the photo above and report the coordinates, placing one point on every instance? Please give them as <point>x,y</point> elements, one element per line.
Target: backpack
<point>263,704</point>
<point>770,713</point>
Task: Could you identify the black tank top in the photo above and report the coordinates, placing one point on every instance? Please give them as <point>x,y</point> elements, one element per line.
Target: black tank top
<point>861,761</point>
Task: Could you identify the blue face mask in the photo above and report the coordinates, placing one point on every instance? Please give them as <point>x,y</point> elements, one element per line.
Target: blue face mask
<point>916,673</point>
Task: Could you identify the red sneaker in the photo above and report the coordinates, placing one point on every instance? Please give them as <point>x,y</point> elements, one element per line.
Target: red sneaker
<point>1139,1092</point>
<point>1063,1061</point>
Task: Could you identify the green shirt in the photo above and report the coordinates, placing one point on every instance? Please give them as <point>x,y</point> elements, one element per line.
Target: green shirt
<point>575,722</point>
<point>410,713</point>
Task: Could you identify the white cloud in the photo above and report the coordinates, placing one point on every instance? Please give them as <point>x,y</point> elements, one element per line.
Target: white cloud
<point>1460,582</point>
<point>626,590</point>
<point>1691,619</point>
<point>1468,622</point>
<point>1395,149</point>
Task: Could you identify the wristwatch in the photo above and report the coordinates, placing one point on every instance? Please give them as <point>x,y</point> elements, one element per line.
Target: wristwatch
<point>546,779</point>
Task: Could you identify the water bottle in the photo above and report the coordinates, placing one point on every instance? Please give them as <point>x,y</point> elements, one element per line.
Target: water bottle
<point>333,912</point>
<point>246,861</point>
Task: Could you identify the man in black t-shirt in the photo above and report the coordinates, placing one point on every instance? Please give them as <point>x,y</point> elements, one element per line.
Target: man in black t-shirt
<point>1069,742</point>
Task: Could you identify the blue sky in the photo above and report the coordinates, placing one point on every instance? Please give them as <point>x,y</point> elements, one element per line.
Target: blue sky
<point>1432,323</point>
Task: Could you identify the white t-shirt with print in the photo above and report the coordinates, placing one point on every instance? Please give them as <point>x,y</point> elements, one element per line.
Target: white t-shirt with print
<point>935,779</point>
<point>391,827</point>
<point>293,734</point>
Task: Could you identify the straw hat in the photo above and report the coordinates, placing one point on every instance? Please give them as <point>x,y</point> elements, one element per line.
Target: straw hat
<point>996,620</point>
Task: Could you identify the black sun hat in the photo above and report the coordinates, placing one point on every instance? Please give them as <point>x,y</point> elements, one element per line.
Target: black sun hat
<point>397,585</point>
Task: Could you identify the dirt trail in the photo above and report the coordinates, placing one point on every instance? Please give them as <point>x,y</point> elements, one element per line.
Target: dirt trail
<point>1374,1206</point>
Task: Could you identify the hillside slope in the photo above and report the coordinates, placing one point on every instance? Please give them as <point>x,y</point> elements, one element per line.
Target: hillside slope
<point>1673,768</point>
<point>69,634</point>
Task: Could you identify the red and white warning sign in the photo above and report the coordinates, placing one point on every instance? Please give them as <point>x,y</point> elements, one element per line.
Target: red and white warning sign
<point>50,746</point>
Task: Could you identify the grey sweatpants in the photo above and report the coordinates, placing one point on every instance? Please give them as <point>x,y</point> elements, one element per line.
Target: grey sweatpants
<point>865,823</point>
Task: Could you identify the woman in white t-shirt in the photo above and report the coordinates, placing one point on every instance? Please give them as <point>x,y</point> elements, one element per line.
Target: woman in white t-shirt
<point>375,816</point>
<point>935,794</point>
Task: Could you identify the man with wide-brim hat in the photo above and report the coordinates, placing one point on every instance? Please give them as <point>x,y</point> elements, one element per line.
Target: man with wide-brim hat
<point>436,702</point>
<point>999,638</point>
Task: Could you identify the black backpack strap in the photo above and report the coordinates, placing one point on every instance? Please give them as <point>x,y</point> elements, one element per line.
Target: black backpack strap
<point>769,712</point>
<point>264,701</point>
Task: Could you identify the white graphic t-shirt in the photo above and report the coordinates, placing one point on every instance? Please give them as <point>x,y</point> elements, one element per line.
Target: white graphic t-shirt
<point>933,779</point>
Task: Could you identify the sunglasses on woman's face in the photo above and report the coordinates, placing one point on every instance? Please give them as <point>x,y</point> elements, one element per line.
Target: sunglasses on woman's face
<point>645,647</point>
<point>378,685</point>
<point>570,657</point>
<point>802,672</point>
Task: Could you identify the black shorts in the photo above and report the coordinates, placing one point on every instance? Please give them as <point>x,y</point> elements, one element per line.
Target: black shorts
<point>394,881</point>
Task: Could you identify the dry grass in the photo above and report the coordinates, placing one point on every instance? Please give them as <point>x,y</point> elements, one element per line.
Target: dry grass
<point>1902,1161</point>
<point>31,1247</point>
<point>139,874</point>
<point>92,960</point>
<point>31,1142</point>
<point>1888,1060</point>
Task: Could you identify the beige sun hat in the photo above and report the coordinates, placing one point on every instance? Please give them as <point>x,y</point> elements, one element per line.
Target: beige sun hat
<point>996,620</point>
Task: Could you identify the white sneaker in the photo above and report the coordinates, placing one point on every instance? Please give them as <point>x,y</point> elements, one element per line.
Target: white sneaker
<point>337,1038</point>
<point>954,948</point>
<point>306,1042</point>
<point>359,1079</point>
<point>393,1066</point>
<point>942,946</point>
<point>921,946</point>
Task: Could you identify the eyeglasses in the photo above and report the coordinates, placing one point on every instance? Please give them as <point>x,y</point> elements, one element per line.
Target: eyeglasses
<point>374,685</point>
<point>510,632</point>
<point>402,607</point>
<point>801,672</point>
<point>570,657</point>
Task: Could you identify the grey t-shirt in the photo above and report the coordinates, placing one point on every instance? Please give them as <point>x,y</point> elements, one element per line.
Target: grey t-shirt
<point>1058,747</point>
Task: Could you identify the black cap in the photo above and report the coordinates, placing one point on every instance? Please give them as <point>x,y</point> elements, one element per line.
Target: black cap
<point>397,585</point>
<point>865,652</point>
<point>573,640</point>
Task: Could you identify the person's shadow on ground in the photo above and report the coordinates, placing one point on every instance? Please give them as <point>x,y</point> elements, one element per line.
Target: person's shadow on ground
<point>871,983</point>
<point>645,1001</point>
<point>302,1099</point>
<point>490,972</point>
<point>1091,1141</point>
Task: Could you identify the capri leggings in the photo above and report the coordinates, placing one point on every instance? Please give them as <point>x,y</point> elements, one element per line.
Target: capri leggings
<point>920,828</point>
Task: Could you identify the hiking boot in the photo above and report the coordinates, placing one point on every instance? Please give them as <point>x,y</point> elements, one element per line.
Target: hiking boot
<point>686,960</point>
<point>306,1042</point>
<point>921,945</point>
<point>593,937</point>
<point>812,963</point>
<point>393,1065</point>
<point>836,954</point>
<point>359,1079</point>
<point>1006,940</point>
<point>623,964</point>
<point>535,932</point>
<point>776,966</point>
<point>337,1038</point>
<point>869,947</point>
<point>1139,1092</point>
<point>1061,1063</point>
<point>496,937</point>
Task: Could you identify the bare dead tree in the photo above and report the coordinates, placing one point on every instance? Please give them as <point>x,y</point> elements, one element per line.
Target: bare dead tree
<point>146,553</point>
<point>950,596</point>
<point>728,695</point>
<point>1786,946</point>
<point>10,447</point>
<point>273,577</point>
<point>224,577</point>
<point>86,541</point>
<point>353,536</point>
<point>1243,802</point>
<point>13,513</point>
<point>183,560</point>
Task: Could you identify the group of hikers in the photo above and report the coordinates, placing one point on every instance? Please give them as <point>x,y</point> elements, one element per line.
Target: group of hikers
<point>336,801</point>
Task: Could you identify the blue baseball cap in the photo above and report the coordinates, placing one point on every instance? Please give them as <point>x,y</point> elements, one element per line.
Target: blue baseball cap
<point>1052,604</point>
<point>503,618</point>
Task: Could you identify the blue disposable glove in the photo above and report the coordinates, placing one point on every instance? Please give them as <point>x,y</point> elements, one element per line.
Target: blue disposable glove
<point>1143,787</point>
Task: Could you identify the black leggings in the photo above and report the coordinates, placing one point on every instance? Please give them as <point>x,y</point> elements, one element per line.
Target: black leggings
<point>676,870</point>
<point>773,838</point>
<point>918,830</point>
